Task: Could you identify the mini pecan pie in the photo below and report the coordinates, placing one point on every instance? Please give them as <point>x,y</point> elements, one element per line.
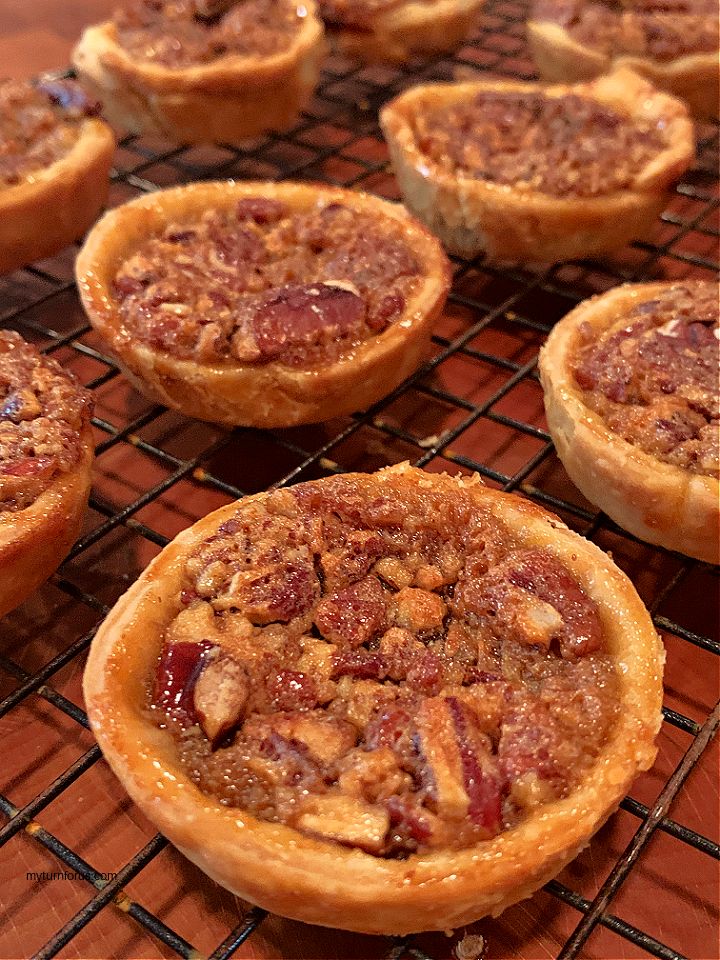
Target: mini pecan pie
<point>46,453</point>
<point>632,400</point>
<point>54,161</point>
<point>395,30</point>
<point>674,43</point>
<point>263,304</point>
<point>386,702</point>
<point>538,173</point>
<point>204,70</point>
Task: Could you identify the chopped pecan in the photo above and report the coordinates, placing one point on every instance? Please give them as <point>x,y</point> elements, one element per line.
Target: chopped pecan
<point>283,592</point>
<point>373,775</point>
<point>261,210</point>
<point>178,669</point>
<point>220,696</point>
<point>291,690</point>
<point>441,751</point>
<point>21,405</point>
<point>531,598</point>
<point>354,615</point>
<point>345,566</point>
<point>346,820</point>
<point>359,700</point>
<point>530,750</point>
<point>409,821</point>
<point>362,664</point>
<point>394,572</point>
<point>325,738</point>
<point>70,96</point>
<point>419,610</point>
<point>465,781</point>
<point>399,650</point>
<point>304,316</point>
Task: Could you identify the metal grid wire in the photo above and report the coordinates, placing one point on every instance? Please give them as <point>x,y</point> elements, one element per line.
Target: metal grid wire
<point>500,319</point>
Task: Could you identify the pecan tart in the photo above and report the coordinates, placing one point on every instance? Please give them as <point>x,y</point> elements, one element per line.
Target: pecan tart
<point>46,454</point>
<point>392,31</point>
<point>263,304</point>
<point>388,702</point>
<point>204,70</point>
<point>633,405</point>
<point>674,43</point>
<point>55,158</point>
<point>538,173</point>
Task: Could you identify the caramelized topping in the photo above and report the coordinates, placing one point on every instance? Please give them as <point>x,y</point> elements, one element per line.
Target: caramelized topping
<point>383,667</point>
<point>260,283</point>
<point>661,29</point>
<point>39,124</point>
<point>653,376</point>
<point>564,146</point>
<point>183,33</point>
<point>42,414</point>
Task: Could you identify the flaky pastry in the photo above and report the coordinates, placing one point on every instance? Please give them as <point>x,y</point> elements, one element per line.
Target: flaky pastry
<point>180,641</point>
<point>298,302</point>
<point>561,57</point>
<point>46,455</point>
<point>44,206</point>
<point>392,31</point>
<point>557,206</point>
<point>226,98</point>
<point>631,395</point>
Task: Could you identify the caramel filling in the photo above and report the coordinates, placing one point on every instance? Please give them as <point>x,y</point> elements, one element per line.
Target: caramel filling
<point>186,33</point>
<point>387,668</point>
<point>42,414</point>
<point>260,283</point>
<point>39,124</point>
<point>567,146</point>
<point>660,29</point>
<point>653,376</point>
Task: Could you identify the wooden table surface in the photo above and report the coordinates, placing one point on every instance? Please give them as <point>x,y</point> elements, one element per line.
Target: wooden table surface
<point>37,35</point>
<point>672,892</point>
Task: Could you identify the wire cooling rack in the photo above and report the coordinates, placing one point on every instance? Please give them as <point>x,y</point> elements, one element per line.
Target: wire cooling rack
<point>98,881</point>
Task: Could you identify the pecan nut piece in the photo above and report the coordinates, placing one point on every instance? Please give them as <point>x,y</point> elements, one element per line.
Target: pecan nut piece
<point>347,820</point>
<point>221,694</point>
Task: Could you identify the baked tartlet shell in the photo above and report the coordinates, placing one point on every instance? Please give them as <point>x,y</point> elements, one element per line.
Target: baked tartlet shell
<point>694,78</point>
<point>319,882</point>
<point>34,541</point>
<point>413,29</point>
<point>230,99</point>
<point>56,205</point>
<point>472,216</point>
<point>658,502</point>
<point>270,394</point>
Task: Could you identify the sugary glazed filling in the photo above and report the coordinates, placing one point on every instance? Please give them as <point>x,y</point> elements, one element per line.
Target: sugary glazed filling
<point>360,14</point>
<point>39,124</point>
<point>260,282</point>
<point>182,33</point>
<point>652,375</point>
<point>382,665</point>
<point>564,146</point>
<point>42,414</point>
<point>661,29</point>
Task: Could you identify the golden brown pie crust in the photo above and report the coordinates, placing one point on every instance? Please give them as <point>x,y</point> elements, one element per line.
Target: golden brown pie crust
<point>227,100</point>
<point>560,58</point>
<point>659,502</point>
<point>250,394</point>
<point>55,206</point>
<point>34,541</point>
<point>324,883</point>
<point>471,216</point>
<point>408,30</point>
